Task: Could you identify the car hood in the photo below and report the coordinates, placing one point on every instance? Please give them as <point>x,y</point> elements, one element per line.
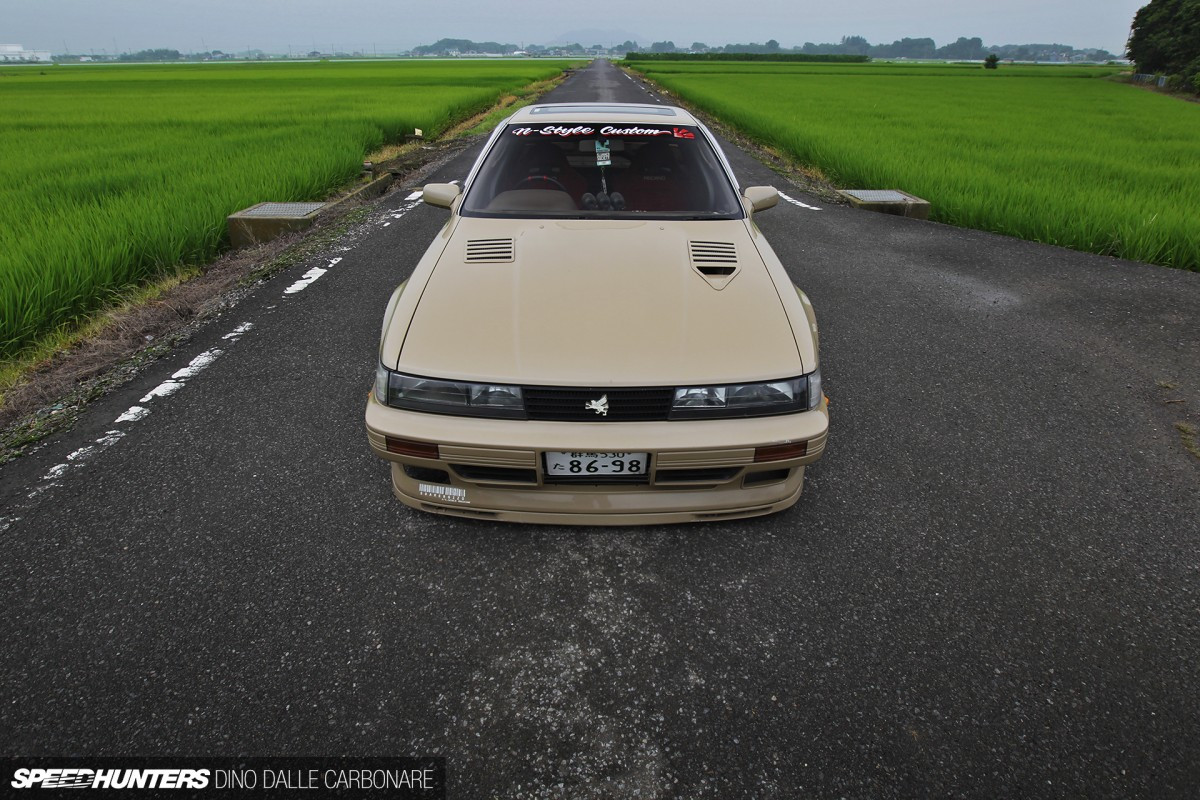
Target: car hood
<point>596,303</point>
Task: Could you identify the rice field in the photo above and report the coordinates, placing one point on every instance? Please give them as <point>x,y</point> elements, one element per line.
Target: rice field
<point>1046,153</point>
<point>113,175</point>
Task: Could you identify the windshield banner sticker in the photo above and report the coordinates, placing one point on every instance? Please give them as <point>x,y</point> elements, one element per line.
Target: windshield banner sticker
<point>566,131</point>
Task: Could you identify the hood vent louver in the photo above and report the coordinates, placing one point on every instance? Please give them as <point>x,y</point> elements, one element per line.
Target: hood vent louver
<point>490,251</point>
<point>716,261</point>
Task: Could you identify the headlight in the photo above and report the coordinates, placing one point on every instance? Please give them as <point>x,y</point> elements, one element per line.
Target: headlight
<point>748,399</point>
<point>814,389</point>
<point>448,397</point>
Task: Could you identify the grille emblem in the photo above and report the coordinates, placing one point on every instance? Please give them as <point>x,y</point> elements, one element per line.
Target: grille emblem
<point>599,406</point>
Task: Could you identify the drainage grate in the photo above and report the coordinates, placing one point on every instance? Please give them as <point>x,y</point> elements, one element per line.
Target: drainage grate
<point>281,210</point>
<point>877,195</point>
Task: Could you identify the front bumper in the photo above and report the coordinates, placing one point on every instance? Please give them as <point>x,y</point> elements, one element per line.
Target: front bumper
<point>699,470</point>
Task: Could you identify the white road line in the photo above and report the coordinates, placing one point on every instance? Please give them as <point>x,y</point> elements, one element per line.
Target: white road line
<point>56,471</point>
<point>196,364</point>
<point>82,452</point>
<point>414,200</point>
<point>310,277</point>
<point>796,202</point>
<point>237,332</point>
<point>132,414</point>
<point>164,389</point>
<point>135,413</point>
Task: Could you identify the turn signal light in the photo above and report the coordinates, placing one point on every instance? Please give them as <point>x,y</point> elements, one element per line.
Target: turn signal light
<point>407,447</point>
<point>779,452</point>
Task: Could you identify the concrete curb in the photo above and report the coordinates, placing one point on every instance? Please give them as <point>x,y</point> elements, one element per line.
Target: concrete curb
<point>266,221</point>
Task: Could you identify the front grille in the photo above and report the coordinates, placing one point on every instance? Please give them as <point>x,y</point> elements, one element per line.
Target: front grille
<point>598,480</point>
<point>704,475</point>
<point>479,474</point>
<point>770,476</point>
<point>426,474</point>
<point>570,404</point>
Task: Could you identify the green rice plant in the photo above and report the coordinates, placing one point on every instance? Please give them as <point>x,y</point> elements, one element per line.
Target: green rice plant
<point>114,175</point>
<point>1045,153</point>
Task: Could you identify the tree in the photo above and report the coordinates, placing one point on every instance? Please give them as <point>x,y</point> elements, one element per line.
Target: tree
<point>159,54</point>
<point>855,45</point>
<point>964,49</point>
<point>699,47</point>
<point>905,48</point>
<point>991,62</point>
<point>1166,38</point>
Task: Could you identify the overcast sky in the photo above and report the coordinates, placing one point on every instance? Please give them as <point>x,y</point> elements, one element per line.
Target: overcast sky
<point>274,25</point>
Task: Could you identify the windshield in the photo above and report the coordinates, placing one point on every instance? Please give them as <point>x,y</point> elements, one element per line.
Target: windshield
<point>602,170</point>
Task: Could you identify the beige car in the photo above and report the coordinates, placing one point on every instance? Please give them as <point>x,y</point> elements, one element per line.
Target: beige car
<point>599,335</point>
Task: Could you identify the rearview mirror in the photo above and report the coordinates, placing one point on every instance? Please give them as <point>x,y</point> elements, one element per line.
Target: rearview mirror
<point>761,197</point>
<point>441,195</point>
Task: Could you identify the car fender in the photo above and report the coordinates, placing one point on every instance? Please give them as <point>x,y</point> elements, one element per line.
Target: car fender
<point>800,314</point>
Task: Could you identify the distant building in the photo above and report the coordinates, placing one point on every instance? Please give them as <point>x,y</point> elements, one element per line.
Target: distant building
<point>15,52</point>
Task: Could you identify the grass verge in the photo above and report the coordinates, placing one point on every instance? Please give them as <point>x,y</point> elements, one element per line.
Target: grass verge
<point>46,387</point>
<point>1057,155</point>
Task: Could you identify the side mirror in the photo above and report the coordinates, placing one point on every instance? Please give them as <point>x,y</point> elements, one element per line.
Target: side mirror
<point>441,195</point>
<point>761,197</point>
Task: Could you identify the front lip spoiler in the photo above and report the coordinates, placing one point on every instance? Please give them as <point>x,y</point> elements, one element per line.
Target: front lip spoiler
<point>599,520</point>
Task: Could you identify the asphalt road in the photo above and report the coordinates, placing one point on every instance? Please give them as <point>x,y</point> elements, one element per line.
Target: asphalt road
<point>990,588</point>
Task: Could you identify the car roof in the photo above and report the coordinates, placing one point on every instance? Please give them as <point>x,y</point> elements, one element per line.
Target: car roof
<point>625,113</point>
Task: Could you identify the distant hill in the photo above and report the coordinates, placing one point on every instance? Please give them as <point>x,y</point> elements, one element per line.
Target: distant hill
<point>447,46</point>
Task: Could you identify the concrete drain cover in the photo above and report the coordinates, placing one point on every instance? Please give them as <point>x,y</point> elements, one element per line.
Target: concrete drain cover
<point>887,201</point>
<point>878,195</point>
<point>281,210</point>
<point>265,221</point>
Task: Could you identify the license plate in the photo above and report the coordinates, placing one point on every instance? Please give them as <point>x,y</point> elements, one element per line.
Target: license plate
<point>586,465</point>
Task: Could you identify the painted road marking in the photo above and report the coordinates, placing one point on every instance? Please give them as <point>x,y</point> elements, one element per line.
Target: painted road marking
<point>796,202</point>
<point>133,414</point>
<point>310,277</point>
